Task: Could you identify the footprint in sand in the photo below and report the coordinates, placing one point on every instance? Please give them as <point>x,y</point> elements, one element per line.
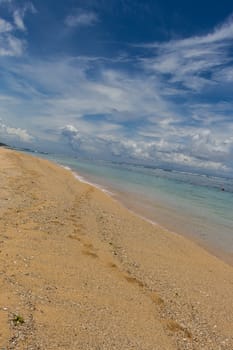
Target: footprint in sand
<point>89,249</point>
<point>77,238</point>
<point>89,246</point>
<point>175,327</point>
<point>90,253</point>
<point>134,280</point>
<point>156,299</point>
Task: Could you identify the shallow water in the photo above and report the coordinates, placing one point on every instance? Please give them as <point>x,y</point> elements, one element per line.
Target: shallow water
<point>190,204</point>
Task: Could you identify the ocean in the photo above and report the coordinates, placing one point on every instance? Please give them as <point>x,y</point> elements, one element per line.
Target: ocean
<point>193,205</point>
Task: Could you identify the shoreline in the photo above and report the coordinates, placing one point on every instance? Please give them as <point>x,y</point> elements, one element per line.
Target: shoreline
<point>209,247</point>
<point>218,252</point>
<point>83,272</point>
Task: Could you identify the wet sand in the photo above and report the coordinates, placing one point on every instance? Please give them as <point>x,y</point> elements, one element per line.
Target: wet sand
<point>79,271</point>
<point>173,221</point>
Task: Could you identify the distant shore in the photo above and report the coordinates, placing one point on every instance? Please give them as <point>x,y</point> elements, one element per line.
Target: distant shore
<point>80,271</point>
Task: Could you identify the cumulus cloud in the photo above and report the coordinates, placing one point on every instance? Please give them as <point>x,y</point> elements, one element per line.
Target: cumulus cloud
<point>126,117</point>
<point>73,136</point>
<point>88,139</point>
<point>82,19</point>
<point>163,152</point>
<point>21,133</point>
<point>15,133</point>
<point>159,152</point>
<point>194,163</point>
<point>155,113</point>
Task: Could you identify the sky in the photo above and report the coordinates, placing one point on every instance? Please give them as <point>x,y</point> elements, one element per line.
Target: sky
<point>148,82</point>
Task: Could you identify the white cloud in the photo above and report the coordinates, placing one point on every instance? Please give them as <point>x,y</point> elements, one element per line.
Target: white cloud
<point>192,61</point>
<point>10,43</point>
<point>83,143</point>
<point>19,14</point>
<point>220,33</point>
<point>22,134</point>
<point>192,162</point>
<point>92,109</point>
<point>134,150</point>
<point>82,19</point>
<point>11,46</point>
<point>151,114</point>
<point>18,20</point>
<point>16,133</point>
<point>5,26</point>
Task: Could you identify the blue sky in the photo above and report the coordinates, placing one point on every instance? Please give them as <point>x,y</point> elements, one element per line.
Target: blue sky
<point>126,80</point>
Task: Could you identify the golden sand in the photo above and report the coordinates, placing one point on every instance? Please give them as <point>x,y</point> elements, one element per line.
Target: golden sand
<point>79,271</point>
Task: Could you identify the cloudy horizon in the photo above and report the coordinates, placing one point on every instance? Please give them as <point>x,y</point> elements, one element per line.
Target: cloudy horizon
<point>120,81</point>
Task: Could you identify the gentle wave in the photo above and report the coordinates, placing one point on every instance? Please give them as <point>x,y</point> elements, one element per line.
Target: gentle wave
<point>84,180</point>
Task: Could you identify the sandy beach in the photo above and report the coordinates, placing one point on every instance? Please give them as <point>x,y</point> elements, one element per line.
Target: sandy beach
<point>80,271</point>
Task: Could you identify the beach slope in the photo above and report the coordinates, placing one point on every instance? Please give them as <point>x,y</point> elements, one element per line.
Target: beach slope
<point>79,271</point>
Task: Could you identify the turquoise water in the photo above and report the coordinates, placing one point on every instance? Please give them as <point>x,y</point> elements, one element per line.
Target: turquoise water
<point>191,204</point>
